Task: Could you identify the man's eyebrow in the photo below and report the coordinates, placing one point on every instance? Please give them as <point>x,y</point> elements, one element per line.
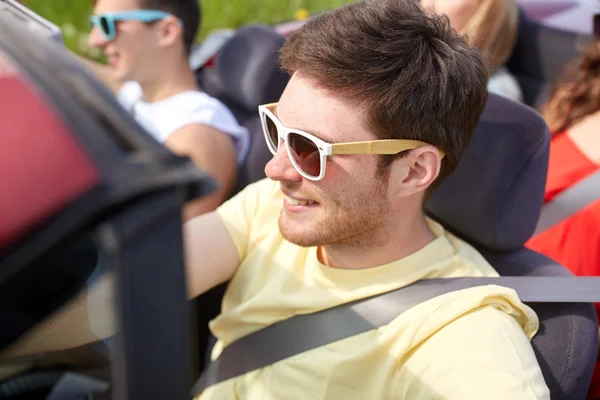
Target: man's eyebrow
<point>323,137</point>
<point>318,134</point>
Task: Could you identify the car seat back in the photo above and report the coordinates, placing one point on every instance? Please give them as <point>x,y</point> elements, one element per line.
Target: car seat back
<point>245,75</point>
<point>493,200</point>
<point>540,56</point>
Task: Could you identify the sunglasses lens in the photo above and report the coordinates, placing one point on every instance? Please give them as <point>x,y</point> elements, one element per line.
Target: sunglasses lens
<point>272,134</point>
<point>105,26</point>
<point>306,154</point>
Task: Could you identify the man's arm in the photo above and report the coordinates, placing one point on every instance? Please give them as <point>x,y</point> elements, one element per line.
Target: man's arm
<point>482,355</point>
<point>102,72</point>
<point>213,151</point>
<point>211,258</point>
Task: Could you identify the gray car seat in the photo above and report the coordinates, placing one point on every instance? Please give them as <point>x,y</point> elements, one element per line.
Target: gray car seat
<point>245,75</point>
<point>493,200</point>
<point>540,56</point>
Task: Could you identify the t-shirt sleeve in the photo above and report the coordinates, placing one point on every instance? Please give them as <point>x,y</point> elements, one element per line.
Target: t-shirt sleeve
<point>129,93</point>
<point>484,354</point>
<point>211,112</point>
<point>238,215</point>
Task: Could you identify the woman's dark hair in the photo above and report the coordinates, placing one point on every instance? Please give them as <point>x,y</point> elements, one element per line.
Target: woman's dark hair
<point>576,93</point>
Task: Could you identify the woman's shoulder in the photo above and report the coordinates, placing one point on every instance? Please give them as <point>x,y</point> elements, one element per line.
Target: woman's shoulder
<point>129,93</point>
<point>584,134</point>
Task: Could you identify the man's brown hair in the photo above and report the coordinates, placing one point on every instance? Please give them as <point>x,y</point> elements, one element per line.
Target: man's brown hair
<point>188,11</point>
<point>414,75</point>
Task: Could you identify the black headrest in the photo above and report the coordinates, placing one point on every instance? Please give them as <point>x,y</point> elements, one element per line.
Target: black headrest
<point>540,56</point>
<point>494,197</point>
<point>247,69</point>
<point>542,51</point>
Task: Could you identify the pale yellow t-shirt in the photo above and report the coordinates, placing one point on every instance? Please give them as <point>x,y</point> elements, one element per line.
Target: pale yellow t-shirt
<point>470,344</point>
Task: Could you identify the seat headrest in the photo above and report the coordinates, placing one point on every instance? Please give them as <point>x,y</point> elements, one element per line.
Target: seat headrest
<point>248,69</point>
<point>494,197</point>
<point>541,52</point>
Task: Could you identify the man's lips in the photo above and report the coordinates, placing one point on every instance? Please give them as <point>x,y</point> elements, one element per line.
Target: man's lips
<point>299,202</point>
<point>111,60</point>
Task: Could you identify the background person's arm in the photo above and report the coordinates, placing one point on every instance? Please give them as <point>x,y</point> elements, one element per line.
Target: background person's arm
<point>213,151</point>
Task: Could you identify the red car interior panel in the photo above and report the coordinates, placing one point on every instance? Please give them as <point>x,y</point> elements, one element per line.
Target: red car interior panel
<point>42,167</point>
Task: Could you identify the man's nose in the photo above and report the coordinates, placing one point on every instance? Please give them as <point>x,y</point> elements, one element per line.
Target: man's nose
<point>280,167</point>
<point>96,38</point>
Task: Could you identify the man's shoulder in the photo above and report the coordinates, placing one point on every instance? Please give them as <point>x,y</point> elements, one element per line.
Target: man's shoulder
<point>259,200</point>
<point>129,93</point>
<point>198,108</point>
<point>262,194</point>
<point>482,333</point>
<point>252,215</point>
<point>466,259</point>
<point>200,103</point>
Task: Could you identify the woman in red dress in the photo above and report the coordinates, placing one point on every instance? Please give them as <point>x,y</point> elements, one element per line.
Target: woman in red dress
<point>573,115</point>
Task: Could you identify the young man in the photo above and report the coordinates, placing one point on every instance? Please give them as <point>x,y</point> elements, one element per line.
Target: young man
<point>338,220</point>
<point>147,45</point>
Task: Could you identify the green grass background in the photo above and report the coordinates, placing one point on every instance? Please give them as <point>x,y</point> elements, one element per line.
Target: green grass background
<point>72,15</point>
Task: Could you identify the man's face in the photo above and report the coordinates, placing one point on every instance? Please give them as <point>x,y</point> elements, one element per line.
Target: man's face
<point>351,204</point>
<point>134,49</point>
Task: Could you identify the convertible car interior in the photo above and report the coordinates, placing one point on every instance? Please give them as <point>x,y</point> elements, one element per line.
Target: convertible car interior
<point>92,186</point>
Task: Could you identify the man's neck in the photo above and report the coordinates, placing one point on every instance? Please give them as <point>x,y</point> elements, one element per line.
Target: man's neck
<point>407,238</point>
<point>171,80</point>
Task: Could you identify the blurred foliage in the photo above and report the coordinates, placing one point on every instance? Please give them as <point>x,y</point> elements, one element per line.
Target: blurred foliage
<point>72,16</point>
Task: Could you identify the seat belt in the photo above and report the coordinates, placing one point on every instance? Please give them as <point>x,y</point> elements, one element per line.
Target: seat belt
<point>305,332</point>
<point>570,202</point>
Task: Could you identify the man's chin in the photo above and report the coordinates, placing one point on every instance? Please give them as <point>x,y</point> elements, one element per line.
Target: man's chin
<point>300,234</point>
<point>120,74</point>
<point>123,77</point>
<point>300,240</point>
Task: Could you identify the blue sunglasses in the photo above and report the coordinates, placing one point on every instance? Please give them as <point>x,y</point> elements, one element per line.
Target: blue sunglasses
<point>106,22</point>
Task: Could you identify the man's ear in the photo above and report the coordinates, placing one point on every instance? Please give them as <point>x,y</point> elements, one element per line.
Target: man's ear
<point>415,172</point>
<point>170,31</point>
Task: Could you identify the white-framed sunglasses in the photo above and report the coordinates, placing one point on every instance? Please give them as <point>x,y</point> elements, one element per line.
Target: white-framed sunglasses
<point>308,153</point>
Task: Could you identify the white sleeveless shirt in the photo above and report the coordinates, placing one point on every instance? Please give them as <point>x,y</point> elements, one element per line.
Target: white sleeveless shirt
<point>162,118</point>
